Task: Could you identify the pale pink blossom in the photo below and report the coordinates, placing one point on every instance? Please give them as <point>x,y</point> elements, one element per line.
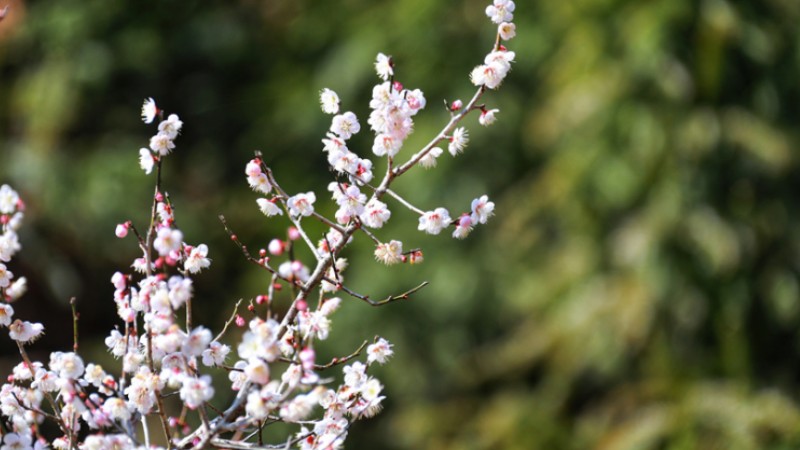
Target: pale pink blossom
<point>8,199</point>
<point>458,141</point>
<point>5,276</point>
<point>268,207</point>
<point>301,204</point>
<point>167,240</point>
<point>6,314</point>
<point>429,159</point>
<point>196,391</point>
<point>375,214</point>
<point>149,110</point>
<point>260,183</point>
<point>329,101</point>
<point>463,227</point>
<point>345,125</point>
<point>383,66</point>
<point>432,222</point>
<point>161,144</point>
<point>507,31</point>
<point>16,289</point>
<point>379,352</point>
<point>170,127</point>
<point>482,209</point>
<point>9,245</point>
<point>501,11</point>
<point>24,331</point>
<point>197,259</point>
<point>488,117</point>
<point>390,252</point>
<point>215,354</point>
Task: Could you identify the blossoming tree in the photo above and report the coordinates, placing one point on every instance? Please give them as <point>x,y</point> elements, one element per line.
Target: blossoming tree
<point>166,359</point>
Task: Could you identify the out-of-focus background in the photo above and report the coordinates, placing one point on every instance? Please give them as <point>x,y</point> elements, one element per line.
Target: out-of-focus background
<point>637,289</point>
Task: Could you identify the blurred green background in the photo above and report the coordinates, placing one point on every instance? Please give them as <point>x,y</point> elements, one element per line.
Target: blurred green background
<point>638,288</point>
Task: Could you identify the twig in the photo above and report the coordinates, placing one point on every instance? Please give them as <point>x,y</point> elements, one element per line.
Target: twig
<point>337,361</point>
<point>74,325</point>
<point>229,321</point>
<point>392,298</point>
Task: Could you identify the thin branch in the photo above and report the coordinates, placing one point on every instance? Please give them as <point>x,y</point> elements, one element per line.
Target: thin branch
<point>74,324</point>
<point>337,361</point>
<point>404,202</point>
<point>441,136</point>
<point>229,321</point>
<point>392,298</point>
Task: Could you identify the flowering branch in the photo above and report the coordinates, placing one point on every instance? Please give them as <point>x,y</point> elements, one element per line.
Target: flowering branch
<point>275,375</point>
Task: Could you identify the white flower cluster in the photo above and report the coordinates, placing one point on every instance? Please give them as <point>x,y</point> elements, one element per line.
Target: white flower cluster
<point>163,142</point>
<point>497,63</point>
<point>11,289</point>
<point>276,374</point>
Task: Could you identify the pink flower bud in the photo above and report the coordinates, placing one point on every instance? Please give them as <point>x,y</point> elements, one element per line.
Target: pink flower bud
<point>302,305</point>
<point>239,321</point>
<point>456,105</point>
<point>276,247</point>
<point>122,230</point>
<point>307,357</point>
<point>293,234</point>
<point>397,86</point>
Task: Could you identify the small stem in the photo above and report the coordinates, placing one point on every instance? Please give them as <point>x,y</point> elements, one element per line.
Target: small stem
<point>392,298</point>
<point>404,202</point>
<point>229,321</point>
<point>74,325</point>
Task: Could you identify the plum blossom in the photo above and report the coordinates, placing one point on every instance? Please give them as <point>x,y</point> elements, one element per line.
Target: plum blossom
<point>458,141</point>
<point>268,207</point>
<point>501,11</point>
<point>5,276</point>
<point>8,199</point>
<point>429,159</point>
<point>6,314</point>
<point>215,354</point>
<point>15,290</point>
<point>196,391</point>
<point>507,31</point>
<point>9,245</point>
<point>24,331</point>
<point>329,101</point>
<point>161,144</point>
<point>496,66</point>
<point>482,209</point>
<point>375,214</point>
<point>168,240</point>
<point>379,352</point>
<point>463,226</point>
<point>389,253</point>
<point>432,222</point>
<point>345,125</point>
<point>260,183</point>
<point>170,127</point>
<point>383,66</point>
<point>149,110</point>
<point>301,204</point>
<point>197,259</point>
<point>488,117</point>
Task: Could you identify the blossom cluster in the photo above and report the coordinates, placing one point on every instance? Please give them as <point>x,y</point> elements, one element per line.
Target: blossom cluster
<point>273,370</point>
<point>12,210</point>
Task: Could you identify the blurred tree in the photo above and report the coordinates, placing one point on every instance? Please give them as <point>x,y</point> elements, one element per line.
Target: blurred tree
<point>637,290</point>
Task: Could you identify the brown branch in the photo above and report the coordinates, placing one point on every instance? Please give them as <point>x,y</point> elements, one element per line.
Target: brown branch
<point>392,298</point>
<point>74,324</point>
<point>229,321</point>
